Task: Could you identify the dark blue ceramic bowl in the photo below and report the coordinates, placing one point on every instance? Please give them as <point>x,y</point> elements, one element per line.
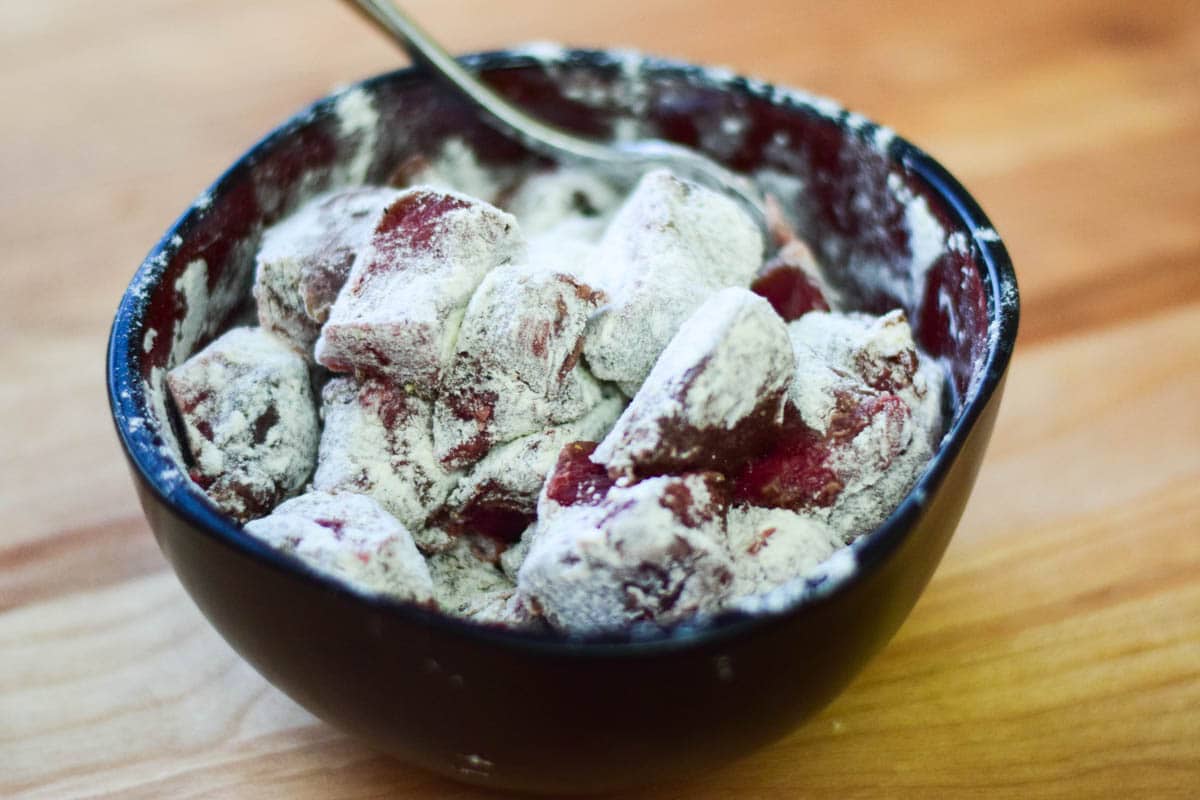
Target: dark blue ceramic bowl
<point>533,711</point>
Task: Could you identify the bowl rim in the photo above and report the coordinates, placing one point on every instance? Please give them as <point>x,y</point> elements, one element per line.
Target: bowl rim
<point>158,471</point>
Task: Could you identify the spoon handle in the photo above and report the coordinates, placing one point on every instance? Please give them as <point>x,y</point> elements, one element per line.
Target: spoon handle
<point>543,139</point>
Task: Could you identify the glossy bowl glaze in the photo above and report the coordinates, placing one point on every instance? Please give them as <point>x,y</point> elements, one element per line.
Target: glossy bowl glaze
<point>535,711</point>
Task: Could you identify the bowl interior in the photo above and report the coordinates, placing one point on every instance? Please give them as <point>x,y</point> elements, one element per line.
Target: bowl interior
<point>893,227</point>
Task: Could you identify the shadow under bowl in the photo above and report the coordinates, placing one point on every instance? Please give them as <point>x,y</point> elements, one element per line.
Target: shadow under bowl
<point>535,711</point>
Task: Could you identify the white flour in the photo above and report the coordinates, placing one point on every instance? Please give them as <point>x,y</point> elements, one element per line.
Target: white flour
<point>926,236</point>
<point>516,366</point>
<point>457,169</point>
<point>251,424</point>
<point>570,195</point>
<point>773,546</point>
<point>350,537</point>
<point>304,260</point>
<point>466,585</point>
<point>727,359</point>
<point>669,247</point>
<point>516,470</point>
<point>399,312</point>
<point>358,126</point>
<point>378,440</point>
<point>851,355</point>
<point>192,288</point>
<point>648,552</point>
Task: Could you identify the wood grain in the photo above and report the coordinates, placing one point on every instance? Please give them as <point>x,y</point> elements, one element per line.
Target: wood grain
<point>1056,652</point>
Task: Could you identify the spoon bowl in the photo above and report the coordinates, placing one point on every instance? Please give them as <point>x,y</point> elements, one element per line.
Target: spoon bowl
<point>621,162</point>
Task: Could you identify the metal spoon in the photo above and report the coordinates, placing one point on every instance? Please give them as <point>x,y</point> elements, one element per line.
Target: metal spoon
<point>622,161</point>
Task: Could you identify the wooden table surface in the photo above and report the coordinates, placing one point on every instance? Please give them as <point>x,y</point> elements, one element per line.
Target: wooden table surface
<point>1056,652</point>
